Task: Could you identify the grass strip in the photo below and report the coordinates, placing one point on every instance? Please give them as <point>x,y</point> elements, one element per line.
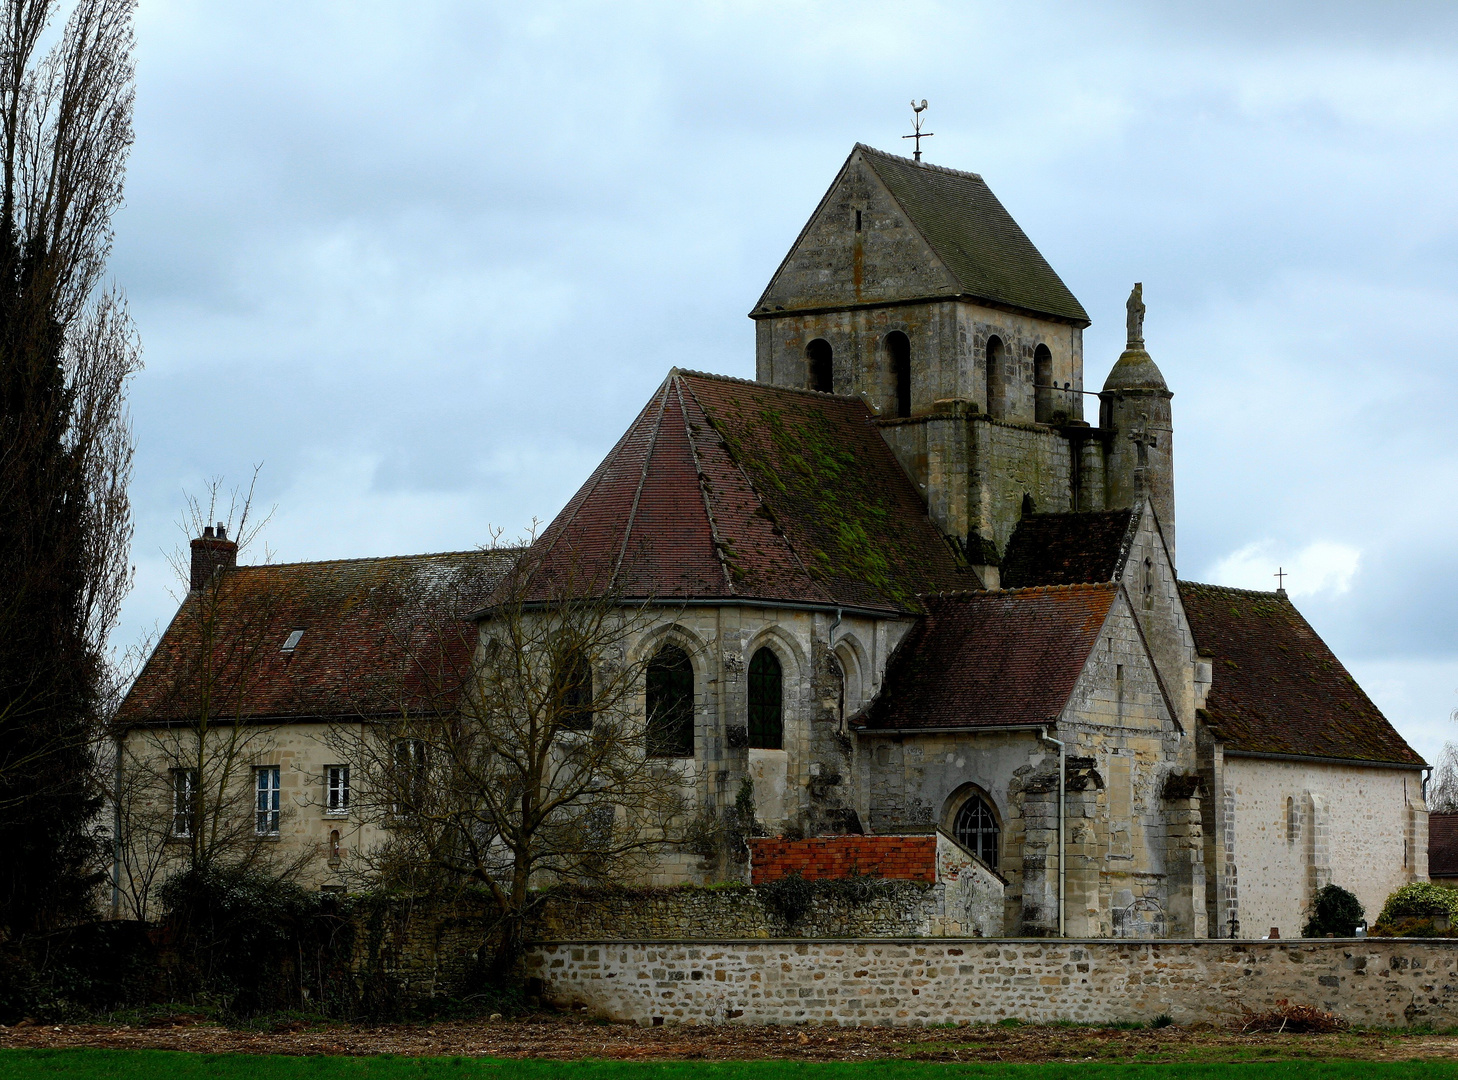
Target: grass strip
<point>180,1065</point>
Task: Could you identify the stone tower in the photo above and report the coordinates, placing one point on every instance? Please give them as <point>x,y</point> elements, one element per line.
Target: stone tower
<point>913,287</point>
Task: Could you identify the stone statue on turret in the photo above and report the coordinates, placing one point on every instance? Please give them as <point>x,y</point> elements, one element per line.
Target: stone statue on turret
<point>1135,307</point>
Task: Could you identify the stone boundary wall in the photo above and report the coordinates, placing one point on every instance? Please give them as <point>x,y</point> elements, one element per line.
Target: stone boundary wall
<point>888,909</point>
<point>1384,982</point>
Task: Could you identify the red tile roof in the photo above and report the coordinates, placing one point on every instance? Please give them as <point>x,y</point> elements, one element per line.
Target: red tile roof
<point>725,489</point>
<point>1067,549</point>
<point>378,635</point>
<point>1442,845</point>
<point>991,658</point>
<point>1277,688</point>
<point>906,858</point>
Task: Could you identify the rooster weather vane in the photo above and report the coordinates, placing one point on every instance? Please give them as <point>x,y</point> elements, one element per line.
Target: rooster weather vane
<point>916,132</point>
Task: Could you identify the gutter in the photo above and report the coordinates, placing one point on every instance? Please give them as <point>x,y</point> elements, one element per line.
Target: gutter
<point>960,729</point>
<point>1366,763</point>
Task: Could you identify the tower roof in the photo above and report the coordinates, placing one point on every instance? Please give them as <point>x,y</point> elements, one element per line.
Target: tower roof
<point>1135,370</point>
<point>973,234</point>
<point>725,489</point>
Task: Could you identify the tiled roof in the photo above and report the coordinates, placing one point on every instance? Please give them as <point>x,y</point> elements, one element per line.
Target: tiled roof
<point>1442,845</point>
<point>906,858</point>
<point>974,235</point>
<point>1277,688</point>
<point>725,489</point>
<point>977,659</point>
<point>1067,549</point>
<point>378,635</point>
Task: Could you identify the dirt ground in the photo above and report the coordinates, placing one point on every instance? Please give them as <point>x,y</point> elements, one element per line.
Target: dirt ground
<point>564,1038</point>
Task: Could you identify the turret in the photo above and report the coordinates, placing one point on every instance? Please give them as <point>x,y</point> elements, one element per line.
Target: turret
<point>1134,406</point>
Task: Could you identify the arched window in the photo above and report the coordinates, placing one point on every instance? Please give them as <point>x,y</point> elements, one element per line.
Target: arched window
<point>975,828</point>
<point>670,704</point>
<point>334,853</point>
<point>819,358</point>
<point>1045,394</point>
<point>898,352</point>
<point>766,713</point>
<point>995,355</point>
<point>574,693</point>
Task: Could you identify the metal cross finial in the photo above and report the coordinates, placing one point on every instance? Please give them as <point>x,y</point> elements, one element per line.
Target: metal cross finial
<point>1280,575</point>
<point>916,132</point>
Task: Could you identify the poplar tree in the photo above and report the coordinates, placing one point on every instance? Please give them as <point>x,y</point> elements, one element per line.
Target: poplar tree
<point>67,351</point>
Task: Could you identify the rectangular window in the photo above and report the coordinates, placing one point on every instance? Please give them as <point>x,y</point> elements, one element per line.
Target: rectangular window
<point>336,782</point>
<point>409,774</point>
<point>266,810</point>
<point>184,801</point>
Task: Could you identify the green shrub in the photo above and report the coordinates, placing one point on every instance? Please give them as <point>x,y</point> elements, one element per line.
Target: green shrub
<point>1420,900</point>
<point>1333,911</point>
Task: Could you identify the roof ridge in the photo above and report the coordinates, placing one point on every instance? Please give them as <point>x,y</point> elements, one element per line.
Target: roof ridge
<point>762,385</point>
<point>688,430</point>
<point>642,480</point>
<point>374,558</point>
<point>1272,593</point>
<point>918,164</point>
<point>961,594</point>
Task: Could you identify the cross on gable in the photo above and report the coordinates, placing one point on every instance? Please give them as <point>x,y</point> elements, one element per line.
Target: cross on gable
<point>1143,439</point>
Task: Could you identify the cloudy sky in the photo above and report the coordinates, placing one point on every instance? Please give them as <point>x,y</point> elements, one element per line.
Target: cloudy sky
<point>424,261</point>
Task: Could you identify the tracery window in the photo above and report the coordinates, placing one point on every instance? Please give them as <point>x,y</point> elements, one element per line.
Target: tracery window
<point>670,704</point>
<point>766,692</point>
<point>975,828</point>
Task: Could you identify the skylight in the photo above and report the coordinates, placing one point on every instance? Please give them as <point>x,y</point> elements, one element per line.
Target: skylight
<point>292,641</point>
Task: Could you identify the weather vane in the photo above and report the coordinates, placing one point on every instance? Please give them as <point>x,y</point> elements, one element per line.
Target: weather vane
<point>917,133</point>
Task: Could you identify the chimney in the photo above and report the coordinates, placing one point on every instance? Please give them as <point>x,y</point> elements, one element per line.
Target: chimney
<point>211,553</point>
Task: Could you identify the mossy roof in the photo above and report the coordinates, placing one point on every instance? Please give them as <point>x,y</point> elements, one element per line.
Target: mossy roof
<point>379,636</point>
<point>1277,688</point>
<point>974,236</point>
<point>723,489</point>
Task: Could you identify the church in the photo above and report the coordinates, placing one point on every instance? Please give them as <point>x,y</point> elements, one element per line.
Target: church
<point>908,586</point>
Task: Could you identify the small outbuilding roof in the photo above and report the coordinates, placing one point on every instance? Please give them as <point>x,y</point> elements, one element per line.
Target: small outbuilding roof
<point>1277,688</point>
<point>1442,845</point>
<point>1068,549</point>
<point>991,658</point>
<point>726,489</point>
<point>353,637</point>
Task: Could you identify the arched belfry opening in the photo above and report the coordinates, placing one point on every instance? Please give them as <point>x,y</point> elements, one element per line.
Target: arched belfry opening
<point>898,353</point>
<point>820,359</point>
<point>996,353</point>
<point>1044,391</point>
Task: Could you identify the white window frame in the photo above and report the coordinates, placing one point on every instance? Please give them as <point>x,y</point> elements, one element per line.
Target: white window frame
<point>336,791</point>
<point>267,800</point>
<point>184,802</point>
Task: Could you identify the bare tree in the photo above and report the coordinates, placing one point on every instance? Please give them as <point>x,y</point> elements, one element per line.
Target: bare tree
<point>519,755</point>
<point>67,352</point>
<point>1443,788</point>
<point>186,746</point>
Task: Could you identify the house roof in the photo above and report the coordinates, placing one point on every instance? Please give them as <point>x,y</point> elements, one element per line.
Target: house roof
<point>726,489</point>
<point>1277,688</point>
<point>991,658</point>
<point>1442,845</point>
<point>976,238</point>
<point>829,858</point>
<point>1067,549</point>
<point>378,635</point>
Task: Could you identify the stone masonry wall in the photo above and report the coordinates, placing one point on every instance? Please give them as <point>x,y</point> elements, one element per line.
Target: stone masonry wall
<point>1380,982</point>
